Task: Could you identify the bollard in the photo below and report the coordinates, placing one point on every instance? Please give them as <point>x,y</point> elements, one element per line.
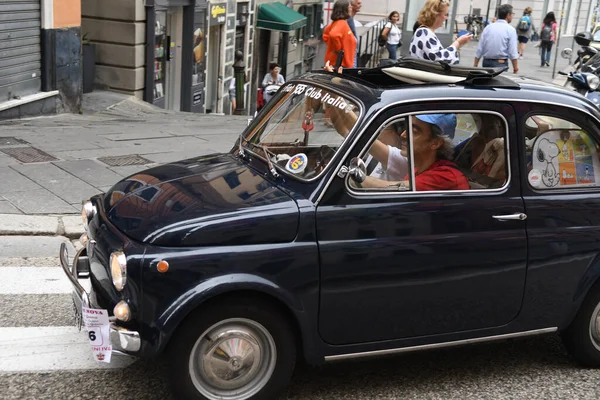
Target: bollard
<point>240,80</point>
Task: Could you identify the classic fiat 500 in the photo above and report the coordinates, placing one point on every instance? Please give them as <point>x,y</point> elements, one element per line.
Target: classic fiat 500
<point>368,212</point>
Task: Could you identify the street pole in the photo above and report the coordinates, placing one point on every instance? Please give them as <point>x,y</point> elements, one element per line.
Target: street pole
<point>575,32</point>
<point>487,14</point>
<point>559,34</point>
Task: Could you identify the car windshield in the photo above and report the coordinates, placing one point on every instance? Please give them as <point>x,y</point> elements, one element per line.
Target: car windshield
<point>304,129</point>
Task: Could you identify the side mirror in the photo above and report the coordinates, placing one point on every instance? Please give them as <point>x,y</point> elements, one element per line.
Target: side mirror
<point>566,52</point>
<point>357,170</point>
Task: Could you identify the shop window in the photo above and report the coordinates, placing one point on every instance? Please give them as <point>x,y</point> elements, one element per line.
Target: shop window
<point>560,154</point>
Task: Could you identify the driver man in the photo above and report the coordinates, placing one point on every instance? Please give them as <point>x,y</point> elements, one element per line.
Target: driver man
<point>432,149</point>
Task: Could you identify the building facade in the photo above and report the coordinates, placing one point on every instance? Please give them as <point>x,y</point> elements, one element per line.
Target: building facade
<point>179,54</point>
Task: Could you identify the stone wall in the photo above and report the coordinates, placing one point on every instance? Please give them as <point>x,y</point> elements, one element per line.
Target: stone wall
<point>117,27</point>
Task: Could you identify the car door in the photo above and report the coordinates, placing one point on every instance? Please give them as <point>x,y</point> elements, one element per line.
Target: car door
<point>561,191</point>
<point>400,264</point>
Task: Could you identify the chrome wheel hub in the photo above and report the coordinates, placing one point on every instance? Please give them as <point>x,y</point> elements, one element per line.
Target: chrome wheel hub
<point>234,359</point>
<point>595,327</point>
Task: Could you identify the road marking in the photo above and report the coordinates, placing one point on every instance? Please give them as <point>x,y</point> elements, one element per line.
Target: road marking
<point>39,280</point>
<point>50,349</point>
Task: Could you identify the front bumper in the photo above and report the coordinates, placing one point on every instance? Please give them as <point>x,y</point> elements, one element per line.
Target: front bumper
<point>123,340</point>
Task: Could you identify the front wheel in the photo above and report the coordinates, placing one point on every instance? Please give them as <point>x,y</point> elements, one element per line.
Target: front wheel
<point>582,337</point>
<point>234,351</point>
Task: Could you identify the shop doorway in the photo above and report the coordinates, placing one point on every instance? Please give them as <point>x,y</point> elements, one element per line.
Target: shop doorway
<point>214,78</point>
<point>175,29</point>
<point>168,57</point>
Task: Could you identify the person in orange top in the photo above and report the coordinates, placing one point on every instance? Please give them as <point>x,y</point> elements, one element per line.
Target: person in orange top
<point>338,35</point>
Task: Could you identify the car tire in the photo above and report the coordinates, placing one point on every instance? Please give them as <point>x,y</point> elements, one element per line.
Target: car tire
<point>206,365</point>
<point>582,337</point>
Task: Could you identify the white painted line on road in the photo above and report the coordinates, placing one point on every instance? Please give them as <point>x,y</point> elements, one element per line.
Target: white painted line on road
<point>39,280</point>
<point>50,349</point>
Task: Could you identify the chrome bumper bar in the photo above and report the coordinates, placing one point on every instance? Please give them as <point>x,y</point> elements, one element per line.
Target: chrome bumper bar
<point>122,340</point>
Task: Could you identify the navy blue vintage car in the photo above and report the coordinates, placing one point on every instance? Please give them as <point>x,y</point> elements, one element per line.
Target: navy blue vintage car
<point>371,212</point>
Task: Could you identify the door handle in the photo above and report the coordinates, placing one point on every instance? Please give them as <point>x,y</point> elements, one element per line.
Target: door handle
<point>511,217</point>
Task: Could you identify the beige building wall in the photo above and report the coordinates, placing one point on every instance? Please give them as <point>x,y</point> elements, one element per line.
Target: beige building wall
<point>117,27</point>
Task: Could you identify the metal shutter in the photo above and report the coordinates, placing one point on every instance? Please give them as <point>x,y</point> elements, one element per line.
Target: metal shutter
<point>20,50</point>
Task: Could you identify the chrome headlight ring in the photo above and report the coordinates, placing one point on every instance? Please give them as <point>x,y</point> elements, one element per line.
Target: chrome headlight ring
<point>88,210</point>
<point>593,82</point>
<point>118,269</point>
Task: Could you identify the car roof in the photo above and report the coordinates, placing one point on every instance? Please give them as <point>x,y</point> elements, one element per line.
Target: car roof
<point>377,86</point>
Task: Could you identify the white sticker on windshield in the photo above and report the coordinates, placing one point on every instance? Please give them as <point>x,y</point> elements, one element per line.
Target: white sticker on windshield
<point>297,164</point>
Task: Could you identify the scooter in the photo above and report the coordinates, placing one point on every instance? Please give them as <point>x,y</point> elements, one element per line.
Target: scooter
<point>585,83</point>
<point>584,39</point>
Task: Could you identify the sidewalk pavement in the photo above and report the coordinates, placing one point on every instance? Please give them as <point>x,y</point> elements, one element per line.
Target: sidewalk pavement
<point>48,165</point>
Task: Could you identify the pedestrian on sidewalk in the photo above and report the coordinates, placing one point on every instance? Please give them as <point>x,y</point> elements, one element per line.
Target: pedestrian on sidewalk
<point>392,34</point>
<point>338,35</point>
<point>525,29</point>
<point>355,7</point>
<point>498,42</point>
<point>548,35</point>
<point>425,44</point>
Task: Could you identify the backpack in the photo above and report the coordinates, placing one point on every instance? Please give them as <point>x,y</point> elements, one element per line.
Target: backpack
<point>382,40</point>
<point>546,33</point>
<point>524,24</point>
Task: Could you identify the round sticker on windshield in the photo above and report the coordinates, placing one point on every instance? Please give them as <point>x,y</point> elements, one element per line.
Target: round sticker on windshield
<point>297,163</point>
<point>535,178</point>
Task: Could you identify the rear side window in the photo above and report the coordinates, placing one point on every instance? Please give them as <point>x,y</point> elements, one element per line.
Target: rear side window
<point>438,152</point>
<point>560,154</point>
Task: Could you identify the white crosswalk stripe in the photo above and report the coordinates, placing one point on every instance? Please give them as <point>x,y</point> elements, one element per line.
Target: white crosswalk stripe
<point>45,348</point>
<point>49,349</point>
<point>32,280</point>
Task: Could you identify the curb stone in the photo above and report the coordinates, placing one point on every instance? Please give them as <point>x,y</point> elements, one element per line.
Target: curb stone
<point>41,225</point>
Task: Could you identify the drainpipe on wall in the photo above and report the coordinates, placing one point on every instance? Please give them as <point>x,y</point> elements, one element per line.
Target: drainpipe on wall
<point>47,42</point>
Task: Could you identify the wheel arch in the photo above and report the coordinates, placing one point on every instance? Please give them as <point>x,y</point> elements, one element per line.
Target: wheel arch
<point>259,290</point>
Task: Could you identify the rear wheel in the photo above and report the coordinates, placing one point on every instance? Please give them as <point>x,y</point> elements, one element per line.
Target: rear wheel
<point>582,337</point>
<point>233,351</point>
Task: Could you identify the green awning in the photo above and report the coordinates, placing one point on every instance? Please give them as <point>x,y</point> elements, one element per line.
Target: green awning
<point>279,17</point>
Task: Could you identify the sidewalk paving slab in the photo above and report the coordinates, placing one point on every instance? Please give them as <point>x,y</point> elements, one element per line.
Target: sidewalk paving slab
<point>33,246</point>
<point>72,226</point>
<point>11,224</point>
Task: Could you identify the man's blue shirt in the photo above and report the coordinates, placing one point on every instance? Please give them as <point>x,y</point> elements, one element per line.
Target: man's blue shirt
<point>498,41</point>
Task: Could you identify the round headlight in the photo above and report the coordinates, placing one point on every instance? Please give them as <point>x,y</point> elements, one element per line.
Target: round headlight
<point>118,269</point>
<point>88,210</point>
<point>592,81</point>
<point>122,312</point>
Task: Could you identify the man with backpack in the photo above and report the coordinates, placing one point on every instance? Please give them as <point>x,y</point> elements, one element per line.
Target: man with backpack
<point>524,30</point>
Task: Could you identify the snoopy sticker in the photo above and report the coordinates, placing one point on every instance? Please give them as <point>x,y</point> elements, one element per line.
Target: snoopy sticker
<point>547,152</point>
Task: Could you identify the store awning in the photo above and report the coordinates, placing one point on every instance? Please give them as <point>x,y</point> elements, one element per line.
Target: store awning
<point>279,17</point>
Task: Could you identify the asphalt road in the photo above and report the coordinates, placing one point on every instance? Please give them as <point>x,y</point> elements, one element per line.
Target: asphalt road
<point>522,369</point>
<point>59,365</point>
